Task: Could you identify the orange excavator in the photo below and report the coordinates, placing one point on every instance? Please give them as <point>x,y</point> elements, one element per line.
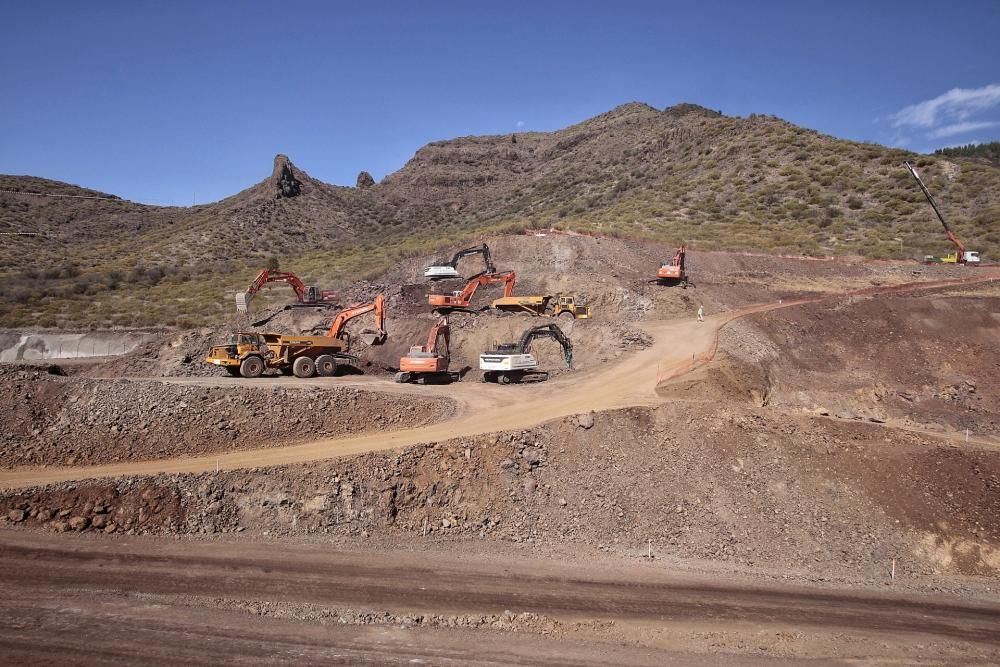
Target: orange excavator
<point>306,295</point>
<point>462,299</point>
<point>427,363</point>
<point>673,273</point>
<point>374,336</point>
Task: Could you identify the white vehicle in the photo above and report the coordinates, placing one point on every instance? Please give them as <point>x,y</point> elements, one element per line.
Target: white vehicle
<point>450,269</point>
<point>513,362</point>
<point>441,271</point>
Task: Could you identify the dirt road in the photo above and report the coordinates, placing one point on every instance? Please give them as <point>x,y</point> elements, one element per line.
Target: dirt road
<point>680,346</point>
<point>237,602</point>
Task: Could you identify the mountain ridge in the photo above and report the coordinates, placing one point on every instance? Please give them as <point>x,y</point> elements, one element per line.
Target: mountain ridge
<point>682,174</point>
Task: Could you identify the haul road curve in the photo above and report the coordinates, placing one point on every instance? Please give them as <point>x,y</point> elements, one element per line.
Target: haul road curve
<point>679,346</point>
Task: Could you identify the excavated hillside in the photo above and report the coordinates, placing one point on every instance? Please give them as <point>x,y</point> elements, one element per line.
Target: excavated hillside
<point>826,440</point>
<point>610,275</point>
<point>682,174</point>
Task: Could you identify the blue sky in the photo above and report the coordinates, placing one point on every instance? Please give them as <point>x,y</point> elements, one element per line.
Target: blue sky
<point>182,101</point>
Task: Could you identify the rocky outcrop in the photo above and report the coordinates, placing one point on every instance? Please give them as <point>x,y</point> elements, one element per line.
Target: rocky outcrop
<point>283,178</point>
<point>365,180</point>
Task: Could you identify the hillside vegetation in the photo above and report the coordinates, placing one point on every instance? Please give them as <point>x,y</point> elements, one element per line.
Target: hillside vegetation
<point>682,174</point>
<point>988,153</point>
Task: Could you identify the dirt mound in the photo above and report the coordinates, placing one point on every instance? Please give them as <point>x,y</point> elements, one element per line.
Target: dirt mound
<point>928,359</point>
<point>52,420</point>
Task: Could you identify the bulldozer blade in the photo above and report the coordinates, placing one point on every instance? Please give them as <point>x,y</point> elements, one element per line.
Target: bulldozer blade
<point>373,337</point>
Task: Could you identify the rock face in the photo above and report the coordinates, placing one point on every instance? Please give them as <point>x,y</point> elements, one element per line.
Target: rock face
<point>283,178</point>
<point>365,180</point>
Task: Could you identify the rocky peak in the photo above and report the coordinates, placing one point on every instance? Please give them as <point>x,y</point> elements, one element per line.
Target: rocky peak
<point>283,178</point>
<point>365,180</point>
<point>685,108</point>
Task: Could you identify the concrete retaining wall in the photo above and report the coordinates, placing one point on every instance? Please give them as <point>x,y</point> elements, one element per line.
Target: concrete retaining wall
<point>16,346</point>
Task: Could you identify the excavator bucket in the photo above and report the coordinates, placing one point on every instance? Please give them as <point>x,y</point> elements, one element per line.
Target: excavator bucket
<point>372,337</point>
<point>243,301</point>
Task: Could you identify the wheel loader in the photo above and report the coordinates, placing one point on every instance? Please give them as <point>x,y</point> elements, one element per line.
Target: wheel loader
<point>249,354</point>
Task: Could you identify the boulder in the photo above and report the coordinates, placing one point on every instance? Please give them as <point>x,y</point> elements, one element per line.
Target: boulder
<point>365,180</point>
<point>79,522</point>
<point>585,420</point>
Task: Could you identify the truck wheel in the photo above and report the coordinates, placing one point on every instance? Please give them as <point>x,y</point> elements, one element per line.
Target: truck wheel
<point>252,367</point>
<point>326,365</point>
<point>304,367</point>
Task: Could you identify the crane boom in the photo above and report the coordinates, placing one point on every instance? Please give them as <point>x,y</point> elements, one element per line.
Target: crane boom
<point>930,198</point>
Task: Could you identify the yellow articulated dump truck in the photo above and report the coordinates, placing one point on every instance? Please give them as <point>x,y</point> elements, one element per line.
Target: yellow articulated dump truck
<point>249,354</point>
<point>554,306</point>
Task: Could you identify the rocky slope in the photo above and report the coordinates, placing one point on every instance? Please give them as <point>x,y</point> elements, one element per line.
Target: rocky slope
<point>54,420</point>
<point>682,174</point>
<point>744,487</point>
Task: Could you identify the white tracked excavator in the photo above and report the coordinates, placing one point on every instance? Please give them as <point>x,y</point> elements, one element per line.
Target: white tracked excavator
<point>513,362</point>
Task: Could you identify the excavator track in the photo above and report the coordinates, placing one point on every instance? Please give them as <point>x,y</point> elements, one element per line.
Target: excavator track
<point>514,377</point>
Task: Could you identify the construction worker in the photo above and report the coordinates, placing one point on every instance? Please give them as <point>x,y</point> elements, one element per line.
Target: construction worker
<point>701,313</point>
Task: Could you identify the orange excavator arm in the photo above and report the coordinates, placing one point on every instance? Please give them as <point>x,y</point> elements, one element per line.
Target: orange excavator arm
<point>346,315</point>
<point>509,280</point>
<point>679,257</point>
<point>266,276</point>
<point>439,330</point>
<point>464,298</point>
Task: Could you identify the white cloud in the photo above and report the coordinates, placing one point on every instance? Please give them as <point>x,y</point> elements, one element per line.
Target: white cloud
<point>961,128</point>
<point>520,123</point>
<point>958,104</point>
